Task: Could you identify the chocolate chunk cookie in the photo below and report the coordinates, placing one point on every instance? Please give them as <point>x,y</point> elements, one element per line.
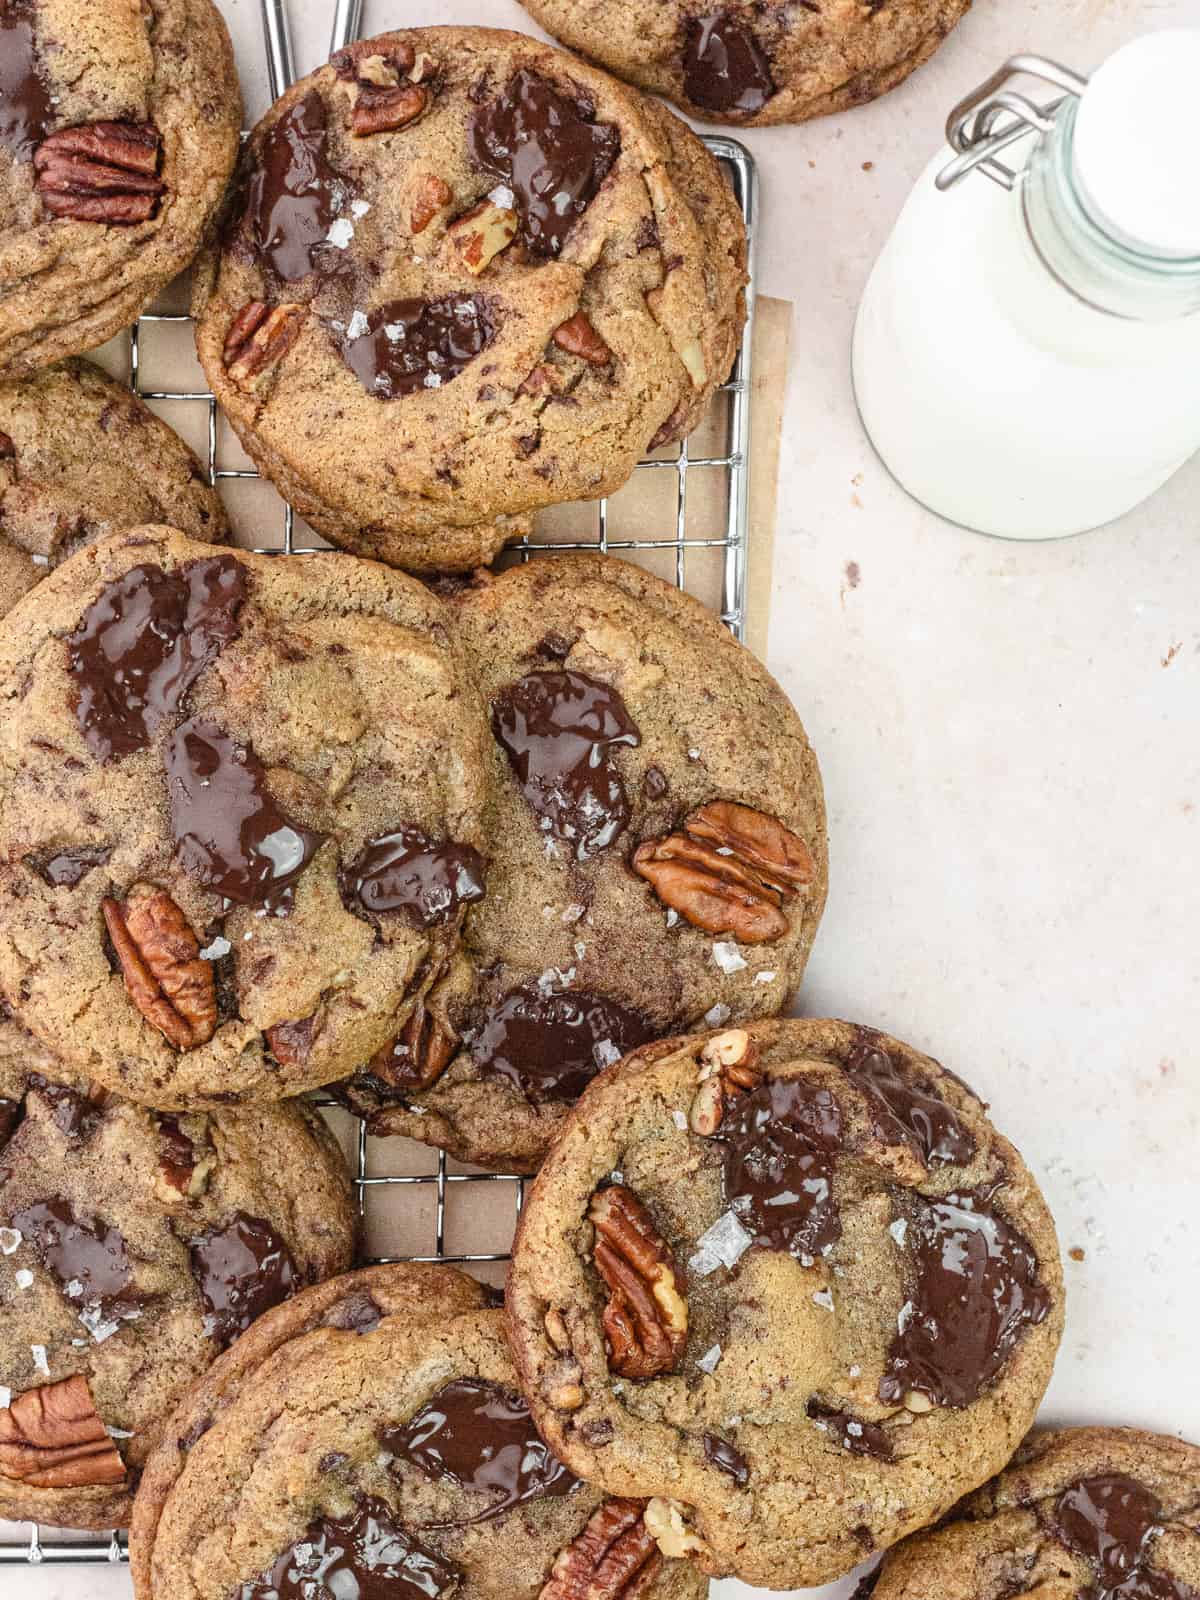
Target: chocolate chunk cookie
<point>755,63</point>
<point>658,856</point>
<point>240,804</point>
<point>119,130</point>
<point>468,277</point>
<point>81,457</point>
<point>134,1248</point>
<point>369,1438</point>
<point>1109,1513</point>
<point>788,1283</point>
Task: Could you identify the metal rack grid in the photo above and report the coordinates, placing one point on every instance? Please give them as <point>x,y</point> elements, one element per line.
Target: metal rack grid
<point>64,1550</point>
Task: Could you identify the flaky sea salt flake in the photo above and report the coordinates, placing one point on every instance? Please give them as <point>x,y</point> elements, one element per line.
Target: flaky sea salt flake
<point>724,1245</point>
<point>728,957</point>
<point>709,1361</point>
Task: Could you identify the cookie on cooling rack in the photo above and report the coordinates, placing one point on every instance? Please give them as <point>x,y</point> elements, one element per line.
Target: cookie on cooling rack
<point>789,1284</point>
<point>1105,1512</point>
<point>81,457</point>
<point>119,130</point>
<point>469,277</point>
<point>657,856</point>
<point>369,1438</point>
<point>240,815</point>
<point>752,63</point>
<point>134,1248</point>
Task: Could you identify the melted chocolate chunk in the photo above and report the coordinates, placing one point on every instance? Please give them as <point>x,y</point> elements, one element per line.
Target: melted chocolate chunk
<point>867,1586</point>
<point>655,785</point>
<point>551,1046</point>
<point>366,1555</point>
<point>357,1313</point>
<point>25,109</point>
<point>74,1114</point>
<point>65,868</point>
<point>241,1270</point>
<point>1112,1521</point>
<point>724,66</point>
<point>293,193</point>
<point>409,345</point>
<point>88,1258</point>
<point>142,644</point>
<point>976,1290</point>
<point>727,1459</point>
<point>903,1113</point>
<point>851,1432</point>
<point>558,730</point>
<point>11,1113</point>
<point>551,152</point>
<point>481,1437</point>
<point>177,1157</point>
<point>780,1144</point>
<point>406,871</point>
<point>231,834</point>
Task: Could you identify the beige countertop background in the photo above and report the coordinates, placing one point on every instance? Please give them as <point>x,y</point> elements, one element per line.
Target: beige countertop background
<point>1009,740</point>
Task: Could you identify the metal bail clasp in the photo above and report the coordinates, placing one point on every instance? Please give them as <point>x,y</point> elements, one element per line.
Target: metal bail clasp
<point>995,116</point>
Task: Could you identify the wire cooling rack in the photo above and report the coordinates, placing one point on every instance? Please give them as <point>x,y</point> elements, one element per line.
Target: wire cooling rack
<point>412,1201</point>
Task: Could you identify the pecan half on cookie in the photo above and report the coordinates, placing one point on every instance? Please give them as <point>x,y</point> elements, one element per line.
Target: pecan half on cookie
<point>731,870</point>
<point>614,1558</point>
<point>646,1319</point>
<point>53,1438</point>
<point>104,172</point>
<point>168,981</point>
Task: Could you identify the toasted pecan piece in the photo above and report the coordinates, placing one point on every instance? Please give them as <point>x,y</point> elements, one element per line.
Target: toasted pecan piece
<point>102,172</point>
<point>53,1438</point>
<point>578,338</point>
<point>728,1066</point>
<point>259,336</point>
<point>730,870</point>
<point>420,1054</point>
<point>433,194</point>
<point>167,980</point>
<point>646,1318</point>
<point>386,110</point>
<point>614,1558</point>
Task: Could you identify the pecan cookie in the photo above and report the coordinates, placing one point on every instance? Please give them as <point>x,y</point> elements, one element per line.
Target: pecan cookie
<point>369,1438</point>
<point>657,846</point>
<point>1109,1513</point>
<point>468,277</point>
<point>119,129</point>
<point>240,805</point>
<point>134,1248</point>
<point>81,457</point>
<point>755,63</point>
<point>789,1284</point>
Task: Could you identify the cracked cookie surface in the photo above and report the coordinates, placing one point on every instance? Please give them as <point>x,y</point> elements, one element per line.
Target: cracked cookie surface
<point>468,277</point>
<point>369,1436</point>
<point>830,1310</point>
<point>205,764</point>
<point>1112,1513</point>
<point>624,721</point>
<point>755,64</point>
<point>81,458</point>
<point>118,136</point>
<point>133,1248</point>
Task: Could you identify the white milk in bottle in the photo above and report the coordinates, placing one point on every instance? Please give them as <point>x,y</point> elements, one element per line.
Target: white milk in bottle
<point>1027,358</point>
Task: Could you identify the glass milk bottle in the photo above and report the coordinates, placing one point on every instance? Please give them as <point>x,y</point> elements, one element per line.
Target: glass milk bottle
<point>1027,352</point>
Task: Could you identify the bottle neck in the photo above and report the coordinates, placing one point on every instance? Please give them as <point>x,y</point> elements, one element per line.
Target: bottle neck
<point>1085,253</point>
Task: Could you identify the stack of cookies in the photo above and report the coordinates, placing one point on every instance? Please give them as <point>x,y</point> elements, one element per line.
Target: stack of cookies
<point>524,866</point>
